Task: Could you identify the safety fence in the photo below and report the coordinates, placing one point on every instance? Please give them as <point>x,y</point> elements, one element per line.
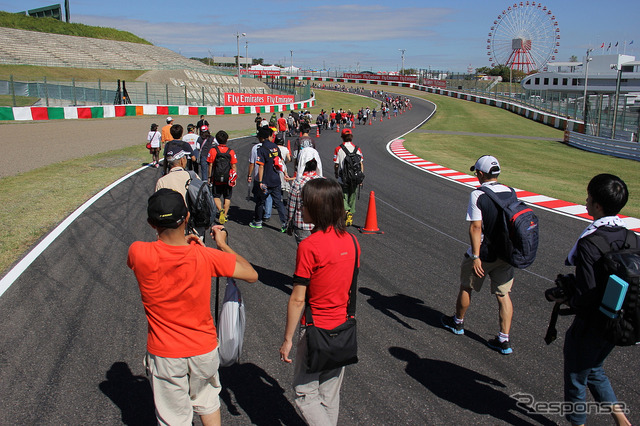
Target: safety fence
<point>615,148</point>
<point>64,93</point>
<point>105,111</point>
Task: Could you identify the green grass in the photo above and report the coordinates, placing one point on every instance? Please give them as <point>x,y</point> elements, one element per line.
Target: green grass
<point>464,116</point>
<point>546,167</point>
<point>7,100</point>
<point>37,73</point>
<point>32,203</point>
<point>50,25</point>
<point>328,99</point>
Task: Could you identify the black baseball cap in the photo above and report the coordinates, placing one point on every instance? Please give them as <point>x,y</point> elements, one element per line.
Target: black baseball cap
<point>166,209</point>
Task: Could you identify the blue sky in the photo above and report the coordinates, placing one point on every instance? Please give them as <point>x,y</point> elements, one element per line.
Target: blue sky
<point>351,34</point>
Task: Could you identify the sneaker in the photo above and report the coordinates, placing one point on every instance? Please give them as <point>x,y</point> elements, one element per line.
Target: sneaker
<point>222,219</point>
<point>349,220</point>
<point>266,219</point>
<point>503,347</point>
<point>450,324</point>
<point>256,225</point>
<point>284,228</point>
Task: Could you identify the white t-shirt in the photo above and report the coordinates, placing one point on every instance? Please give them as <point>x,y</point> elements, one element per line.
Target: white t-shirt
<point>252,159</point>
<point>154,138</point>
<point>192,139</point>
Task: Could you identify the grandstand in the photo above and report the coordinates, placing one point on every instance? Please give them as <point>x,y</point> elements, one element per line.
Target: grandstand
<point>170,77</point>
<point>21,47</point>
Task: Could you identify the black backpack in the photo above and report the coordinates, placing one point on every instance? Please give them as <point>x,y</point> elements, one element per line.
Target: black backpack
<point>625,263</point>
<point>199,202</point>
<point>352,174</point>
<point>221,167</point>
<point>520,234</point>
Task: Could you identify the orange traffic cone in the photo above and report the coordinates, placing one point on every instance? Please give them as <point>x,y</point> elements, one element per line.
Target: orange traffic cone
<point>338,128</point>
<point>318,132</point>
<point>381,118</point>
<point>369,121</point>
<point>353,124</point>
<point>371,224</point>
<point>289,145</point>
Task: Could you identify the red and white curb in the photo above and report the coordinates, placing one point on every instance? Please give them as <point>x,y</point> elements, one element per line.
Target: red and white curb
<point>566,208</point>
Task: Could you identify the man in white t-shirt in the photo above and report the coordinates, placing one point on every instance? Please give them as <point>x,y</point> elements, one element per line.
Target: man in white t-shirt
<point>192,139</point>
<point>484,257</point>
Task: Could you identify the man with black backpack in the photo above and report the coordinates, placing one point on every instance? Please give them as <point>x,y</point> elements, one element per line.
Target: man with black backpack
<point>593,334</point>
<point>222,174</point>
<point>349,170</point>
<point>485,256</point>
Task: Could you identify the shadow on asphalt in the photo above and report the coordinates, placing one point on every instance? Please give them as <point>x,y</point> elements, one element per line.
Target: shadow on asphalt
<point>274,279</point>
<point>131,394</point>
<point>409,307</point>
<point>250,388</point>
<point>466,388</point>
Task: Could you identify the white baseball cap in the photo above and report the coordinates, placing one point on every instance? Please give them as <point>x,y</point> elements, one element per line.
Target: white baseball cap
<point>487,164</point>
<point>169,119</point>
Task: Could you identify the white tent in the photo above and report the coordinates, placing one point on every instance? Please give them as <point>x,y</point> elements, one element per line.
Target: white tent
<point>291,69</point>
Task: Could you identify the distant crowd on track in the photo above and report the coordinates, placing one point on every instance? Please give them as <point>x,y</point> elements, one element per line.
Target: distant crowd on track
<point>193,196</point>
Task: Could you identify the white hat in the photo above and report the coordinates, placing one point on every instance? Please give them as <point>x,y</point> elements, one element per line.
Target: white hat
<point>487,164</point>
<point>169,119</point>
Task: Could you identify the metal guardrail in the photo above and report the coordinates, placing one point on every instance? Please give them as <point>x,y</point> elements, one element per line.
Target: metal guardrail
<point>616,148</point>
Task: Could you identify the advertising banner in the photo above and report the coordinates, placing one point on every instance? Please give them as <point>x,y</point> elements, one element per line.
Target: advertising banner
<point>260,73</point>
<point>399,78</point>
<point>232,99</point>
<point>435,83</point>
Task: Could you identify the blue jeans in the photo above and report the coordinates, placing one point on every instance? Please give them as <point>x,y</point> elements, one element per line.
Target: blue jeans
<point>261,197</point>
<point>584,355</point>
<point>268,207</point>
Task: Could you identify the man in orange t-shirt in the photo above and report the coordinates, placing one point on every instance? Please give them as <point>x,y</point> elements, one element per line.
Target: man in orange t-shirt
<point>165,132</point>
<point>174,276</point>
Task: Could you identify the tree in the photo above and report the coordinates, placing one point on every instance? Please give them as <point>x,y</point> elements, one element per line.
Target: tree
<point>257,61</point>
<point>573,58</point>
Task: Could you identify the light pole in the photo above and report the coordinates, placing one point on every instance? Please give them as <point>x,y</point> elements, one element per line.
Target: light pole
<point>291,69</point>
<point>238,35</point>
<point>584,95</point>
<point>402,69</point>
<point>246,54</point>
<point>615,105</point>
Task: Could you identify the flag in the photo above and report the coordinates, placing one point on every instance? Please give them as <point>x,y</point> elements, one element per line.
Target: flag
<point>616,44</point>
<point>602,47</point>
<point>631,43</point>
<point>609,47</point>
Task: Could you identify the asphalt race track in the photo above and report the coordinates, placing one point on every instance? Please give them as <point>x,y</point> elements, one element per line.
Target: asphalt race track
<point>72,327</point>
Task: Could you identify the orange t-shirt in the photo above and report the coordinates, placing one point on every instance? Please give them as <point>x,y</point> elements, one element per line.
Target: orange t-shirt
<point>165,134</point>
<point>175,286</point>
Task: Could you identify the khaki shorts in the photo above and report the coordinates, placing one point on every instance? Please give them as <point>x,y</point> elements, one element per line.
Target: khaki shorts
<point>182,386</point>
<point>500,272</point>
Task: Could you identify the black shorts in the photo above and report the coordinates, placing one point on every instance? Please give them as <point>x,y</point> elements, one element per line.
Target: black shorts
<point>223,191</point>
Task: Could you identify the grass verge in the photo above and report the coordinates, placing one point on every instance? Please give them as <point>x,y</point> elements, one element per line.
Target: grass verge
<point>21,101</point>
<point>53,192</point>
<point>545,167</point>
<point>37,73</point>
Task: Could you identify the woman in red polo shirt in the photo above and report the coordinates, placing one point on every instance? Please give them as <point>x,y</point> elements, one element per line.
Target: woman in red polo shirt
<point>324,271</point>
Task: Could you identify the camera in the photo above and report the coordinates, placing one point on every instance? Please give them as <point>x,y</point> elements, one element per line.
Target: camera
<point>565,285</point>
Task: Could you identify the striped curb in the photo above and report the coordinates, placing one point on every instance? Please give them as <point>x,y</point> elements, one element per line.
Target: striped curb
<point>564,207</point>
<point>108,111</point>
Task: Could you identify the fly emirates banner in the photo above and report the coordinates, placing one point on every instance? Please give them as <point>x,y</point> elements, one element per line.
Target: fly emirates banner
<point>233,99</point>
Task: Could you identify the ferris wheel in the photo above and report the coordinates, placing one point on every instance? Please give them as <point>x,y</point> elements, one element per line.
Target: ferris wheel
<point>524,37</point>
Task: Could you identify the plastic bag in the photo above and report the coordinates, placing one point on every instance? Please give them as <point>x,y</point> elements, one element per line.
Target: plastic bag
<point>231,324</point>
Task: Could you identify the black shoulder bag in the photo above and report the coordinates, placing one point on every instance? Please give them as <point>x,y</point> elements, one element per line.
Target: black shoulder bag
<point>330,349</point>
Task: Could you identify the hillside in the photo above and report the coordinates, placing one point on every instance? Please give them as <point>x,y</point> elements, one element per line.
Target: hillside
<point>53,26</point>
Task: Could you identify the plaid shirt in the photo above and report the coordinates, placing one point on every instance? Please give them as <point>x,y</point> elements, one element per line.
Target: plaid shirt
<point>295,201</point>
